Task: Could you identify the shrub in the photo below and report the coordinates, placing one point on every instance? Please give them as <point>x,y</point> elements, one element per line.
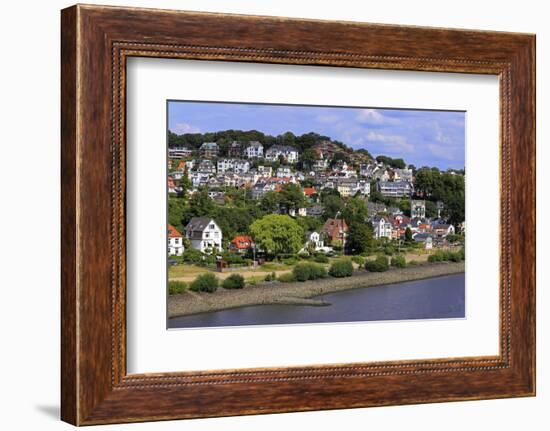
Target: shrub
<point>286,278</point>
<point>290,261</point>
<point>233,258</point>
<point>341,268</point>
<point>399,261</point>
<point>413,262</point>
<point>175,287</point>
<point>318,271</point>
<point>438,256</point>
<point>304,255</point>
<point>192,256</point>
<point>320,258</point>
<point>380,264</point>
<point>234,281</point>
<point>454,257</point>
<point>308,271</point>
<point>205,283</point>
<point>358,260</point>
<point>462,253</point>
<point>302,272</point>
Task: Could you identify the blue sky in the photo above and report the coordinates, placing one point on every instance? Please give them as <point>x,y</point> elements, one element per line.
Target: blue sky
<point>424,138</point>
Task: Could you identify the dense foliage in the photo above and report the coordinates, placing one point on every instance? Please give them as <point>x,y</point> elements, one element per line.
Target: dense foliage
<point>234,281</point>
<point>341,268</point>
<point>175,287</point>
<point>308,271</point>
<point>206,282</point>
<point>380,264</point>
<point>278,234</point>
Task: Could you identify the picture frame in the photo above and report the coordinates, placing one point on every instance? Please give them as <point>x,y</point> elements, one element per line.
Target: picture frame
<point>96,41</point>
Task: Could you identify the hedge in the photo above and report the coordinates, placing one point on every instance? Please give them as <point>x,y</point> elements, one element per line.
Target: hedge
<point>380,264</point>
<point>234,281</point>
<point>341,268</point>
<point>205,283</point>
<point>175,287</point>
<point>399,261</point>
<point>308,271</point>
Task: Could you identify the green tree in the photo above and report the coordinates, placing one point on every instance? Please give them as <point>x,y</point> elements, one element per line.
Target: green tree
<point>278,234</point>
<point>332,204</point>
<point>408,234</point>
<point>360,238</point>
<point>355,211</point>
<point>200,205</point>
<point>270,202</point>
<point>292,197</point>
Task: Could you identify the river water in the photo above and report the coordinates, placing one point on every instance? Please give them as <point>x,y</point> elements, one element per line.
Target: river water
<point>432,298</point>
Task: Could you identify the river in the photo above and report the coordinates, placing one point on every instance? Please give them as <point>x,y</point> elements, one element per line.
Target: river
<point>432,298</point>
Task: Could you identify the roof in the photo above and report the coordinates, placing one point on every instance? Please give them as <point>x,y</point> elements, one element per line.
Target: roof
<point>308,191</point>
<point>198,224</point>
<point>242,241</point>
<point>209,145</point>
<point>173,232</point>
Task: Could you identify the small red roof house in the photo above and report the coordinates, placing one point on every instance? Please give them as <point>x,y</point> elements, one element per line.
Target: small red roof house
<point>335,229</point>
<point>241,243</point>
<point>173,232</point>
<point>171,185</point>
<point>308,191</point>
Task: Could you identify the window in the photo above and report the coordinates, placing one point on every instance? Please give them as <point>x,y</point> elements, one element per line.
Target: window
<point>211,226</point>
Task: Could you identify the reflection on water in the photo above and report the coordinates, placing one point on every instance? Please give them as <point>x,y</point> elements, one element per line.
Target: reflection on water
<point>439,297</point>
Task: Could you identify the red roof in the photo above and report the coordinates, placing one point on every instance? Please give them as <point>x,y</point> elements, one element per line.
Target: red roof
<point>308,191</point>
<point>242,242</point>
<point>173,232</point>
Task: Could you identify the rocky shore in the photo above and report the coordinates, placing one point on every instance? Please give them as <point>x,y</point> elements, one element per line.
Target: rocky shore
<point>300,293</point>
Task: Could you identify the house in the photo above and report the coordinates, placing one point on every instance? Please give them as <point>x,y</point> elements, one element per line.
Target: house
<point>241,244</point>
<point>235,149</point>
<point>314,240</point>
<point>382,227</point>
<point>175,242</point>
<point>320,165</point>
<point>442,230</point>
<point>335,229</point>
<point>402,174</point>
<point>315,211</point>
<point>265,171</point>
<point>425,238</point>
<point>293,212</point>
<point>204,234</point>
<point>254,150</point>
<point>171,185</point>
<point>395,189</point>
<point>289,154</point>
<point>418,208</point>
<point>209,150</point>
<point>179,152</point>
<point>234,165</point>
<point>206,167</point>
<point>309,192</point>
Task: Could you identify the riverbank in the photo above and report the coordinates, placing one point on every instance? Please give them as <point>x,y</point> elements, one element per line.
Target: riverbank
<point>298,293</point>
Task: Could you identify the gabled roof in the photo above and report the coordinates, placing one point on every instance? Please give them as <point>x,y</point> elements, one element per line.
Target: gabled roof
<point>198,224</point>
<point>173,232</point>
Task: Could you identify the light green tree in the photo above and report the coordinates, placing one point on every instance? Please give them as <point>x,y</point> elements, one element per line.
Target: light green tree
<point>277,234</point>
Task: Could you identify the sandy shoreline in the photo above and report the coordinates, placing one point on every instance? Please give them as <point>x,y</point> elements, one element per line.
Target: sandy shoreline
<point>300,293</point>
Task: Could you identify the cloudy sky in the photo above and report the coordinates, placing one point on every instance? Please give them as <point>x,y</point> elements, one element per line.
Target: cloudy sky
<point>424,138</point>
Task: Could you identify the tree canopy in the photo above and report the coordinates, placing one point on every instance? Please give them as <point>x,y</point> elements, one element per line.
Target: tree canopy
<point>278,234</point>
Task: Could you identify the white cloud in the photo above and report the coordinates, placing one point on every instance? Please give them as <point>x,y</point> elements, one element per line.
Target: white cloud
<point>391,143</point>
<point>181,128</point>
<point>374,117</point>
<point>328,118</point>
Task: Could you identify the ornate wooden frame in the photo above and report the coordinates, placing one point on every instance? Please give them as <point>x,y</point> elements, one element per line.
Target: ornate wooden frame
<point>95,42</point>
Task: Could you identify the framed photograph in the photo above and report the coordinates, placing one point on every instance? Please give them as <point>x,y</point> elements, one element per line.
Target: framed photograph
<point>322,214</point>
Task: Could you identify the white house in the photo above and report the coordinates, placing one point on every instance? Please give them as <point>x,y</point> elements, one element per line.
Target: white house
<point>204,234</point>
<point>395,189</point>
<point>255,150</point>
<point>382,227</point>
<point>315,240</point>
<point>175,242</point>
<point>234,165</point>
<point>179,152</point>
<point>290,154</point>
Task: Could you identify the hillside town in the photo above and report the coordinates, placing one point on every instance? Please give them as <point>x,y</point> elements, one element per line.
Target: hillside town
<point>396,210</point>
